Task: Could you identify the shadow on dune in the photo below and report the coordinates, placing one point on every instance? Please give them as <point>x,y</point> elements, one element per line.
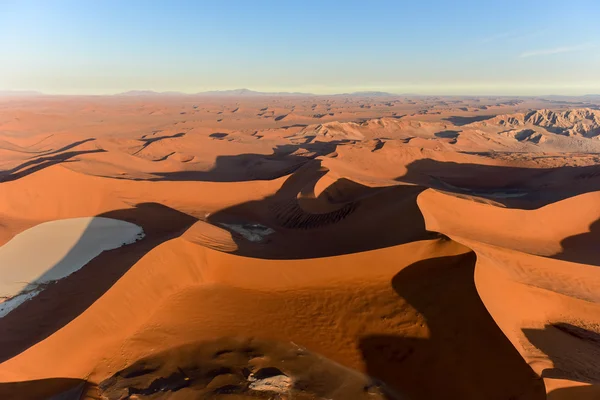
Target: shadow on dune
<point>514,187</point>
<point>148,141</point>
<point>460,121</point>
<point>574,351</point>
<point>346,217</point>
<point>43,389</point>
<point>224,368</point>
<point>466,355</point>
<point>67,147</point>
<point>447,134</point>
<point>249,167</point>
<point>62,301</point>
<point>582,248</point>
<point>294,126</point>
<point>40,163</point>
<point>364,120</point>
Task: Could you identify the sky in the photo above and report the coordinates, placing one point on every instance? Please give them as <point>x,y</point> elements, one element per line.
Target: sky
<point>401,46</point>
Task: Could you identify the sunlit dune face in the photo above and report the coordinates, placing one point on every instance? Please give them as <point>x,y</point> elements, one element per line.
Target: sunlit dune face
<point>53,250</point>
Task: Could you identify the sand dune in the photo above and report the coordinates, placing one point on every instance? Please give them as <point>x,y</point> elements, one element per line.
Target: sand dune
<point>365,246</point>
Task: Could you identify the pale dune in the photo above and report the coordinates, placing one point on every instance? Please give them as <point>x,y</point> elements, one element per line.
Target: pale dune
<point>331,247</point>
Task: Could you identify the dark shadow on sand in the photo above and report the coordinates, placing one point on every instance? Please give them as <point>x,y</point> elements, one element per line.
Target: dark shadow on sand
<point>60,302</point>
<point>466,355</point>
<point>44,389</point>
<point>460,121</point>
<point>294,126</point>
<point>284,160</point>
<point>345,218</point>
<point>39,163</point>
<point>220,369</point>
<point>447,134</point>
<point>513,187</point>
<point>573,350</point>
<point>582,248</point>
<point>67,147</point>
<point>148,141</point>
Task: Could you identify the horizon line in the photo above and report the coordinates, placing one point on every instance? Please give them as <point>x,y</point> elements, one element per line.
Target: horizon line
<point>250,92</point>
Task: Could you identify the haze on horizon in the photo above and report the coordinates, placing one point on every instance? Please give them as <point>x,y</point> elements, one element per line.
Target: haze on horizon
<point>438,47</point>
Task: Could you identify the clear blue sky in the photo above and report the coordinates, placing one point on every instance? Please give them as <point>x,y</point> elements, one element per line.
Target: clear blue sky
<point>418,46</point>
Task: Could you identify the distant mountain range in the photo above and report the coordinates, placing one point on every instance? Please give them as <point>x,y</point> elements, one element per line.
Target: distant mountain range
<point>149,93</point>
<point>253,93</point>
<point>248,92</point>
<point>369,94</point>
<point>234,92</point>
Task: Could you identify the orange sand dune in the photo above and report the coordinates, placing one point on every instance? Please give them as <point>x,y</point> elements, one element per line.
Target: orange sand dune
<point>307,247</point>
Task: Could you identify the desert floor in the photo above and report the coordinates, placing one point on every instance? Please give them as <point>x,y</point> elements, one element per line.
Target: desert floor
<point>299,247</point>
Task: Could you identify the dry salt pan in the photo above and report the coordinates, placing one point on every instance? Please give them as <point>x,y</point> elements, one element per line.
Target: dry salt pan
<point>53,250</point>
<point>251,232</point>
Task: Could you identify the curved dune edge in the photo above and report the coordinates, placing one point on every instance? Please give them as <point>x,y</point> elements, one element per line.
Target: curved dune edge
<point>548,307</point>
<point>70,194</point>
<point>317,301</point>
<point>177,266</point>
<point>543,231</point>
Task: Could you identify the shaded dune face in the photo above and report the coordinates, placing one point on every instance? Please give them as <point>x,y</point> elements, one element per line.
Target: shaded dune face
<point>325,249</point>
<point>44,389</point>
<point>344,218</point>
<point>532,280</point>
<point>443,292</point>
<point>560,341</point>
